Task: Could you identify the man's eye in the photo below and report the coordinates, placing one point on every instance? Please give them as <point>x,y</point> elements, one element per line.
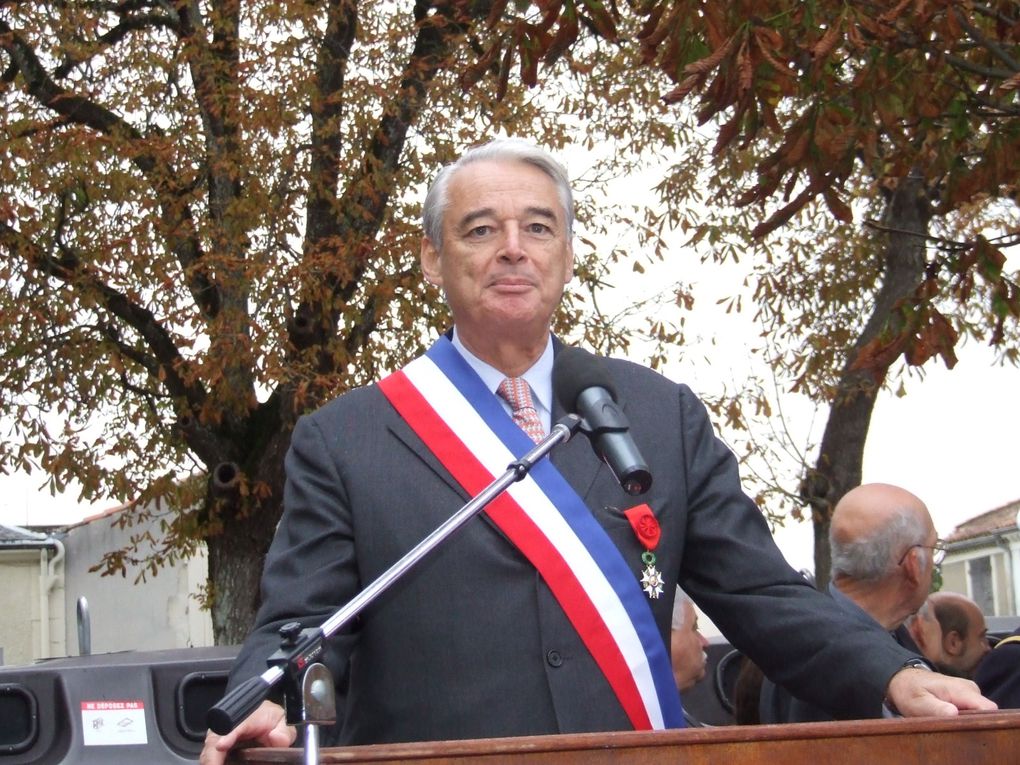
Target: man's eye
<point>538,228</point>
<point>480,231</point>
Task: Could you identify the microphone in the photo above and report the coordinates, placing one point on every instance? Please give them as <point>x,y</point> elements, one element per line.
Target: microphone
<point>583,387</point>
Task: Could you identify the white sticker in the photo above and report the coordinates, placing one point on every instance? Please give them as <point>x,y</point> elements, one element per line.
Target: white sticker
<point>113,723</point>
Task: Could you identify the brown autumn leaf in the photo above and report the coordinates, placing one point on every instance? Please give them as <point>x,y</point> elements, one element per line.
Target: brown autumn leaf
<point>936,336</point>
<point>599,18</point>
<point>894,13</point>
<point>767,43</point>
<point>677,94</point>
<point>710,62</point>
<point>821,49</point>
<point>839,209</point>
<point>1012,83</point>
<point>565,37</point>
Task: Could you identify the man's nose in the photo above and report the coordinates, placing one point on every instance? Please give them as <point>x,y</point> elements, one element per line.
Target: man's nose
<point>511,246</point>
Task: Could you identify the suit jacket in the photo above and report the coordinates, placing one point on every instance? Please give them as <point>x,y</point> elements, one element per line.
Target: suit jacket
<point>779,705</point>
<point>998,674</point>
<point>471,643</point>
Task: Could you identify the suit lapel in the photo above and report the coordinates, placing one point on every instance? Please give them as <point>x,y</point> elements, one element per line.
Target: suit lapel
<point>574,459</point>
<point>403,432</point>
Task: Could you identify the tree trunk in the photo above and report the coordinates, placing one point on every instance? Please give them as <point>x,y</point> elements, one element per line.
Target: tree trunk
<point>249,519</point>
<point>841,456</point>
<point>235,566</point>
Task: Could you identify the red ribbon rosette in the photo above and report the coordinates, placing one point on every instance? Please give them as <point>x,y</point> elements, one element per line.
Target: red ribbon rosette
<point>645,525</point>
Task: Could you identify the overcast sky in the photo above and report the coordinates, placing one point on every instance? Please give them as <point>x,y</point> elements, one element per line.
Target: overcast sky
<point>952,441</point>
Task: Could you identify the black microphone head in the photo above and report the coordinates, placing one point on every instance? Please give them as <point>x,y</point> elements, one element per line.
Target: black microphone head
<point>574,371</point>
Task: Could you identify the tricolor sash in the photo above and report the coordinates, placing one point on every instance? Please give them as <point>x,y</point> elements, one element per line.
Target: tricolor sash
<point>464,425</point>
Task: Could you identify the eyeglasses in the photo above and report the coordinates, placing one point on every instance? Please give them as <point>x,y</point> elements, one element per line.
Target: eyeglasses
<point>938,552</point>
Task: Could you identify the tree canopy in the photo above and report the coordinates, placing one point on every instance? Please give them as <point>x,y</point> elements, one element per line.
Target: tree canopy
<point>906,112</point>
<point>209,211</point>
<point>209,225</point>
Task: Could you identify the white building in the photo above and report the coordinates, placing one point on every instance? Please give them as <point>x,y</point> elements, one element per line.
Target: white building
<point>45,572</point>
<point>31,595</point>
<point>983,560</point>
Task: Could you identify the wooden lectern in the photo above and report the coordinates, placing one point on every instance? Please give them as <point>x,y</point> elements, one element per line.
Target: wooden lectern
<point>970,739</point>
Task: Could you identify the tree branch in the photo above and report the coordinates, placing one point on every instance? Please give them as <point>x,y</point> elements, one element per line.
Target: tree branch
<point>981,71</point>
<point>213,58</point>
<point>182,239</point>
<point>214,69</point>
<point>355,221</point>
<point>68,268</point>
<point>988,44</point>
<point>326,110</point>
<point>113,36</point>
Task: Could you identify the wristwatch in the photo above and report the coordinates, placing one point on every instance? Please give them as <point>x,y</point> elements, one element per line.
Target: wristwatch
<point>914,663</point>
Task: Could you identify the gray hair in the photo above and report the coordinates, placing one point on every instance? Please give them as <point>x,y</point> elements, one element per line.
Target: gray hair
<point>679,599</point>
<point>873,557</point>
<point>499,149</point>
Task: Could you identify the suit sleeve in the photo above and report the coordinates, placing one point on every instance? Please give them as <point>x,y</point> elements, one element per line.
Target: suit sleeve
<point>310,569</point>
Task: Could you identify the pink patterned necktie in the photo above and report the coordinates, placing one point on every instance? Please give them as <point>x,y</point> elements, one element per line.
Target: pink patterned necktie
<point>516,391</point>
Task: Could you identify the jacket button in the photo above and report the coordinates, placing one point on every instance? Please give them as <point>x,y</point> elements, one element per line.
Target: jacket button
<point>554,658</point>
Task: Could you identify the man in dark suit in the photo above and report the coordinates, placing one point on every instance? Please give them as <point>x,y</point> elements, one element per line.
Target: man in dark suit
<point>998,673</point>
<point>504,630</point>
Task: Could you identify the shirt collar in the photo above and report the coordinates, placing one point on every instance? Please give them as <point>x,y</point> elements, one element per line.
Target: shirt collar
<point>538,376</point>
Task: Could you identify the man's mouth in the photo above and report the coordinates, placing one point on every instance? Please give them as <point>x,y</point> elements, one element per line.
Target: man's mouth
<point>511,283</point>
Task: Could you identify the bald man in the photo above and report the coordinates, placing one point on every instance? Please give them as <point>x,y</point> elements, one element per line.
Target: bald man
<point>884,553</point>
<point>964,633</point>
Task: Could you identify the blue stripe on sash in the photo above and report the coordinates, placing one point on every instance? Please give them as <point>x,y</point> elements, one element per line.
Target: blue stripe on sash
<point>578,517</point>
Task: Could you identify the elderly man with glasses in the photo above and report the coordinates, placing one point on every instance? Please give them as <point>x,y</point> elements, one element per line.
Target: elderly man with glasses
<point>884,554</point>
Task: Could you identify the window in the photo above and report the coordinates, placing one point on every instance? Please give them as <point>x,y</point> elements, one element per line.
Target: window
<point>980,574</point>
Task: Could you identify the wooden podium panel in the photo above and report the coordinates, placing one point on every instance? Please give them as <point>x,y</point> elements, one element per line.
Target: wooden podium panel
<point>971,738</point>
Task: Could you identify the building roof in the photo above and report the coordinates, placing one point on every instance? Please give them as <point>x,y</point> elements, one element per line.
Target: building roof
<point>110,511</point>
<point>11,536</point>
<point>49,529</point>
<point>998,520</point>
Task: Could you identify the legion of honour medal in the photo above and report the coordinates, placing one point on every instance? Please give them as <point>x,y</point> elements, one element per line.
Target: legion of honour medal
<point>646,528</point>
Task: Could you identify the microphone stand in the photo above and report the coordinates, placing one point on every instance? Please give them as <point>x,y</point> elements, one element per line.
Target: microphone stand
<point>301,648</point>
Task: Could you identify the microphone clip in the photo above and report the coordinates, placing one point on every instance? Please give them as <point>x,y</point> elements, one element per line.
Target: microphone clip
<point>603,416</point>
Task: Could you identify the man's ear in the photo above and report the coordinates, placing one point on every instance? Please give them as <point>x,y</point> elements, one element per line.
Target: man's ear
<point>952,643</point>
<point>430,262</point>
<point>568,274</point>
<point>912,567</point>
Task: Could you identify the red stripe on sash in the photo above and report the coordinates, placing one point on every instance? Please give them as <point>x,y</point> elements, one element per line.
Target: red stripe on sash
<point>536,546</point>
